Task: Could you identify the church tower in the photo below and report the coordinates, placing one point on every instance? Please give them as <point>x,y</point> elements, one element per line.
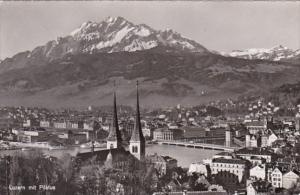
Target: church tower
<point>114,137</point>
<point>137,140</point>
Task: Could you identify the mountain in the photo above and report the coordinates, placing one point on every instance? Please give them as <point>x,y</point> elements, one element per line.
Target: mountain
<point>80,69</point>
<point>274,54</point>
<point>111,35</point>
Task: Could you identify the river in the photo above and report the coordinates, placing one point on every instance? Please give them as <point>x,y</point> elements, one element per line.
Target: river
<point>184,155</point>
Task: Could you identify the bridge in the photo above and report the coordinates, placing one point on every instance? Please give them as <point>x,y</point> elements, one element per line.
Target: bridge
<point>202,139</point>
<point>197,145</point>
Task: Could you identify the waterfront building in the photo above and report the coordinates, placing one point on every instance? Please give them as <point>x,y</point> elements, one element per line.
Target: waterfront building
<point>199,168</point>
<point>236,167</point>
<point>167,134</point>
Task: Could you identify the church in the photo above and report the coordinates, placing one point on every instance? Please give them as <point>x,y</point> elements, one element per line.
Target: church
<point>116,154</point>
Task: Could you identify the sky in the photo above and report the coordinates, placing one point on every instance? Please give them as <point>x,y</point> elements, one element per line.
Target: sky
<point>221,26</point>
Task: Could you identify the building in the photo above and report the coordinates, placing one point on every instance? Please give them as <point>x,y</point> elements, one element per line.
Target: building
<point>227,155</point>
<point>248,153</point>
<point>253,140</point>
<point>212,192</point>
<point>258,172</point>
<point>199,168</point>
<point>115,155</point>
<point>276,178</point>
<point>297,122</point>
<point>236,167</point>
<point>60,124</point>
<point>290,179</point>
<point>45,123</point>
<point>30,136</point>
<point>256,126</point>
<point>259,188</point>
<point>272,138</point>
<point>31,123</point>
<point>147,132</point>
<point>162,163</point>
<point>166,134</point>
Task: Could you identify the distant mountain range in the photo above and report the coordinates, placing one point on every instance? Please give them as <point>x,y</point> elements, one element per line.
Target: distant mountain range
<point>79,69</point>
<point>274,54</point>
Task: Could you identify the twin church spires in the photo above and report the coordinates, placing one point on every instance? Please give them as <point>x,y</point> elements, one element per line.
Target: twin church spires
<point>137,140</point>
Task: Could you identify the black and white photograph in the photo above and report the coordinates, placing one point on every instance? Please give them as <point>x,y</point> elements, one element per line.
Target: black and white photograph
<point>150,97</point>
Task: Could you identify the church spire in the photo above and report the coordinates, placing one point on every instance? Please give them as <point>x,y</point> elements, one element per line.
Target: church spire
<point>137,140</point>
<point>137,134</point>
<point>114,138</point>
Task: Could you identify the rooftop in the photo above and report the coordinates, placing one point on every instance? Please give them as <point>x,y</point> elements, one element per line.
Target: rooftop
<point>254,151</point>
<point>229,161</point>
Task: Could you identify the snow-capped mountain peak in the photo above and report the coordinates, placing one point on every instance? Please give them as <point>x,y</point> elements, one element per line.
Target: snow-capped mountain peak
<point>274,54</point>
<point>117,34</point>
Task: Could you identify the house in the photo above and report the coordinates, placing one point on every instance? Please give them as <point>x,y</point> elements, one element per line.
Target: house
<point>147,132</point>
<point>276,178</point>
<point>45,123</point>
<point>259,188</point>
<point>200,168</point>
<point>256,126</point>
<point>258,172</point>
<point>290,179</point>
<point>60,124</point>
<point>162,163</point>
<point>31,123</point>
<point>272,138</point>
<point>253,140</point>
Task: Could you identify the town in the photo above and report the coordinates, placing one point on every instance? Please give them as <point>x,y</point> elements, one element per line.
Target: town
<point>254,152</point>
